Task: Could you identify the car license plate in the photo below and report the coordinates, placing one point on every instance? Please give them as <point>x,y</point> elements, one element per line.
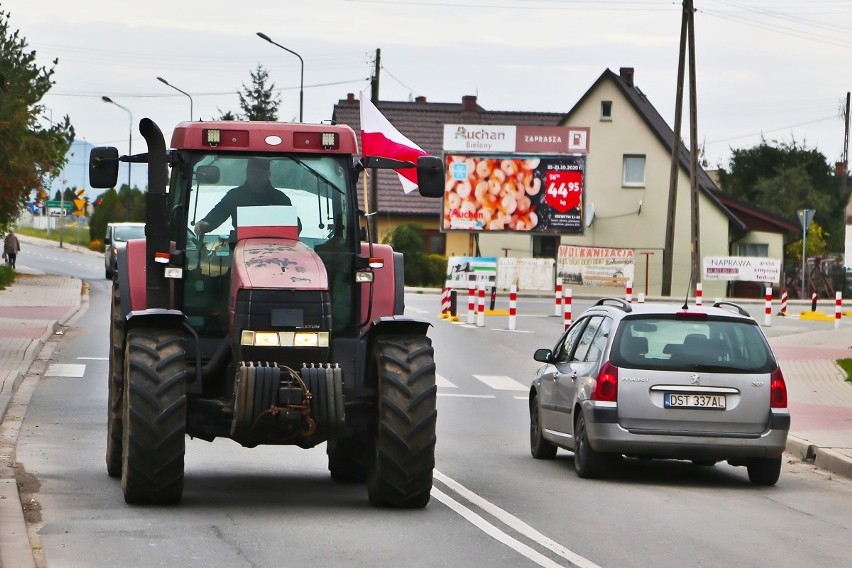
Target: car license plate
<point>674,400</point>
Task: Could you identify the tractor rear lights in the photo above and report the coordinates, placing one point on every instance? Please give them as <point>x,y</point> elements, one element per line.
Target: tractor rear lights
<point>283,338</point>
<point>376,262</point>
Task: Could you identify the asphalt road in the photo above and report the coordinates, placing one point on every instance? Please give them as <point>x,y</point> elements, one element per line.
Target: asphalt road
<point>493,505</point>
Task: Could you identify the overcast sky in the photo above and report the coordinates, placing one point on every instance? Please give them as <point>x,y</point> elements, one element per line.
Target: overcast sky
<point>773,68</point>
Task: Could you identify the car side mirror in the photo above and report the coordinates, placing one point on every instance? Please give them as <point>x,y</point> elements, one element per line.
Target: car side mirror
<point>207,175</point>
<point>543,355</point>
<point>107,240</point>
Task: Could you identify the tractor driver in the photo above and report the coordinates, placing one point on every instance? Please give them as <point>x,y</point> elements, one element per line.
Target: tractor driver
<point>257,190</point>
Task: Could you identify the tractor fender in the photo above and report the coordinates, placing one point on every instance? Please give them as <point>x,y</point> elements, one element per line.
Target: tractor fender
<point>154,317</point>
<point>388,325</point>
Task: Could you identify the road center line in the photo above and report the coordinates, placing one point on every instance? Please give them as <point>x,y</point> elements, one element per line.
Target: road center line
<point>511,521</point>
<point>492,531</point>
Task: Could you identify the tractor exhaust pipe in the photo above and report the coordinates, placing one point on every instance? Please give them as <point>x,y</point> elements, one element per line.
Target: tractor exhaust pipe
<point>156,210</point>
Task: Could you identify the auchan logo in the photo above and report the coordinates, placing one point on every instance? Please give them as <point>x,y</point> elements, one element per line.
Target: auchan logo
<point>463,133</point>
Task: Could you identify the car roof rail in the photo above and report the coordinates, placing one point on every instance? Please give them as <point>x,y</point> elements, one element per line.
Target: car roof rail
<point>740,310</point>
<point>617,301</point>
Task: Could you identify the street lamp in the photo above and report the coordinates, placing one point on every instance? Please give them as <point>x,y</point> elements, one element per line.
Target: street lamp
<point>166,83</point>
<point>129,148</point>
<point>263,36</point>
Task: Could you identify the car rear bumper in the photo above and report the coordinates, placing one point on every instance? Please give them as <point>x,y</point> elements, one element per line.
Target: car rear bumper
<point>607,435</point>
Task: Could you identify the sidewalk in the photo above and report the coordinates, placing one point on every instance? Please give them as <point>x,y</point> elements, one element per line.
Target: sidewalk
<point>32,310</point>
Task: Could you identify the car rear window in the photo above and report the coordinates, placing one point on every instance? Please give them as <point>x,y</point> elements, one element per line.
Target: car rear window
<point>662,342</point>
<point>128,232</point>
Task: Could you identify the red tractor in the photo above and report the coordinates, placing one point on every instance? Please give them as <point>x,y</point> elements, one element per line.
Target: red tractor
<point>282,324</point>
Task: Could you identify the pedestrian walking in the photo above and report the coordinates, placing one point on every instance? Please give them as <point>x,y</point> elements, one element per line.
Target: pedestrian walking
<point>11,247</point>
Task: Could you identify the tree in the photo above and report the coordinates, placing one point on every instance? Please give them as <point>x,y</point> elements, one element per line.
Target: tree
<point>257,102</point>
<point>783,178</point>
<point>29,152</point>
<point>420,269</point>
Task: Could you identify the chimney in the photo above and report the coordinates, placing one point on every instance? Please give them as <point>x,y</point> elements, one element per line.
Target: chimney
<point>626,74</point>
<point>420,99</point>
<point>469,103</point>
<point>350,97</point>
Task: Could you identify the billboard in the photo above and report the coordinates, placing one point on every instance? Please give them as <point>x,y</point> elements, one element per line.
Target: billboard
<point>595,266</point>
<point>748,268</point>
<point>514,193</point>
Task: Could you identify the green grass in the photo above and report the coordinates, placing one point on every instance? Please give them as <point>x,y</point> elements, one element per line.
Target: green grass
<point>7,276</point>
<point>846,365</point>
<point>69,235</point>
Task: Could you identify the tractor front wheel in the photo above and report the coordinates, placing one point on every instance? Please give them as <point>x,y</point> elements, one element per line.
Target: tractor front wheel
<point>154,416</point>
<point>403,453</point>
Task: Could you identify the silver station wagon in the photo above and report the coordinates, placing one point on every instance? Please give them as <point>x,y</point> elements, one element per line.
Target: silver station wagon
<point>661,381</point>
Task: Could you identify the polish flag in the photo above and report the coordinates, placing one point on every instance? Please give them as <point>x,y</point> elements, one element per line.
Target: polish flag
<point>379,138</point>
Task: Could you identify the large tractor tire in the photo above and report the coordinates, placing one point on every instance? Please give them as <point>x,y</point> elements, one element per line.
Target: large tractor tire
<point>115,380</point>
<point>154,416</point>
<point>403,453</point>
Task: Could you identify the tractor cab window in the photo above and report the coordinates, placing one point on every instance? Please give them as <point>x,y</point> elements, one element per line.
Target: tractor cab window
<point>315,186</point>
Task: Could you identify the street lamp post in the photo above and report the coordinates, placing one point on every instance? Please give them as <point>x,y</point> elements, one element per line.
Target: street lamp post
<point>166,83</point>
<point>263,36</point>
<point>129,149</point>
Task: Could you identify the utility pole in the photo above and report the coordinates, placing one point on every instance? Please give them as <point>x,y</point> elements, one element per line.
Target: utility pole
<point>373,194</point>
<point>693,149</point>
<point>845,182</point>
<point>668,247</point>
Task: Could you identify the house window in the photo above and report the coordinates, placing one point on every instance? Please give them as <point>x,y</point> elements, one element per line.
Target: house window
<point>544,247</point>
<point>634,171</point>
<point>606,110</point>
<point>753,249</point>
<point>435,241</point>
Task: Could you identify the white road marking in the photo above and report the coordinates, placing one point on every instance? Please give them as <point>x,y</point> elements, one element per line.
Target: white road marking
<point>65,370</point>
<point>512,330</point>
<point>93,358</point>
<point>509,520</point>
<point>521,397</point>
<point>501,382</point>
<point>443,382</point>
<point>459,395</point>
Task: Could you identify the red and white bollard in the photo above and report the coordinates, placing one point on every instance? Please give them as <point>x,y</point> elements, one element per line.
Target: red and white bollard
<point>628,292</point>
<point>445,302</point>
<point>557,309</point>
<point>480,315</point>
<point>641,297</point>
<point>784,302</point>
<point>814,301</point>
<point>471,303</point>
<point>567,316</point>
<point>838,299</point>
<point>699,292</point>
<point>767,317</point>
<point>513,306</point>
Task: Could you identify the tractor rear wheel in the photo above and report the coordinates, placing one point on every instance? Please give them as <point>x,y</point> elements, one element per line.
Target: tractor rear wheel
<point>403,453</point>
<point>154,416</point>
<point>115,381</point>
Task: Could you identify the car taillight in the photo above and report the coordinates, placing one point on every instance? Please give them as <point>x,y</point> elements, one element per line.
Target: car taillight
<point>606,387</point>
<point>777,390</point>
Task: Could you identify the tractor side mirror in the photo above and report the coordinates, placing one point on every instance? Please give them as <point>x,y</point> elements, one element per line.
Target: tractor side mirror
<point>430,176</point>
<point>103,167</point>
<point>207,175</point>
